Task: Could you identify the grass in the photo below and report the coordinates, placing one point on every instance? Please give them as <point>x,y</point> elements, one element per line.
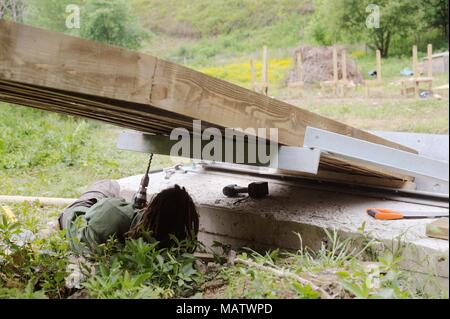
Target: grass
<point>212,50</point>
<point>342,268</point>
<point>47,154</point>
<point>40,265</point>
<point>205,33</point>
<point>400,115</point>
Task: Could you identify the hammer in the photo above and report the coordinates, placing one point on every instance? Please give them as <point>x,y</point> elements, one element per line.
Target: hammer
<point>254,190</point>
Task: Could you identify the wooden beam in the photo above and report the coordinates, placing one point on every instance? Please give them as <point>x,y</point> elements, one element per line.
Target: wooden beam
<point>344,66</point>
<point>415,70</point>
<point>265,71</point>
<point>378,82</point>
<point>335,69</point>
<point>378,59</point>
<point>414,61</point>
<point>297,83</point>
<point>252,75</point>
<point>335,64</point>
<point>49,59</point>
<point>430,60</point>
<point>344,72</point>
<point>299,66</point>
<point>430,66</point>
<point>54,61</point>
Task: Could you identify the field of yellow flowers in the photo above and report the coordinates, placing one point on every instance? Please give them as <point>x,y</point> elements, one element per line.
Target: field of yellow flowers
<point>239,72</point>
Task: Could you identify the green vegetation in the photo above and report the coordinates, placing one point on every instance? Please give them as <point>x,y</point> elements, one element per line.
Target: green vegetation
<point>207,50</point>
<point>400,23</point>
<point>201,19</point>
<point>111,22</point>
<point>340,269</point>
<point>202,32</point>
<point>100,20</point>
<point>35,263</point>
<point>421,116</point>
<point>31,265</point>
<point>47,154</point>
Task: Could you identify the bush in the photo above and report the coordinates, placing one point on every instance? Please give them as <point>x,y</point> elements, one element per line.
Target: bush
<point>140,270</point>
<point>111,22</point>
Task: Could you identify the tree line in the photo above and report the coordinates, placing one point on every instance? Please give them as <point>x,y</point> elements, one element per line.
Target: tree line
<point>401,23</point>
<point>107,21</point>
<point>391,26</point>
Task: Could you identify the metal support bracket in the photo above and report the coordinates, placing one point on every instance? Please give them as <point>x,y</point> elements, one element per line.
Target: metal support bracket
<point>432,175</point>
<point>366,152</point>
<point>298,159</point>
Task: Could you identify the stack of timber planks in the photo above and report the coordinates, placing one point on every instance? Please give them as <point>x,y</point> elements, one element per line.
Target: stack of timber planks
<point>65,74</point>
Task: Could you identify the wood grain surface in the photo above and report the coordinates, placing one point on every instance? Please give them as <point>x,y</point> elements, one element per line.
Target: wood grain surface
<point>65,74</point>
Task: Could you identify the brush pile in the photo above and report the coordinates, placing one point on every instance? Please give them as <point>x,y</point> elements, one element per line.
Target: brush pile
<point>317,65</point>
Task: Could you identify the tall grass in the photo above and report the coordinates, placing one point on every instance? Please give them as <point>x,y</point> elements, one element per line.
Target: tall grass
<point>49,154</point>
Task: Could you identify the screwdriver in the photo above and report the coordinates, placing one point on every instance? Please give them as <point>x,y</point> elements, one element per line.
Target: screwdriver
<point>389,214</point>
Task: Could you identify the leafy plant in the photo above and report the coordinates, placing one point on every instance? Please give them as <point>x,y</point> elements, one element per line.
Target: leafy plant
<point>35,265</point>
<point>28,293</point>
<point>29,263</point>
<point>113,282</point>
<point>337,267</point>
<point>111,22</point>
<point>140,263</point>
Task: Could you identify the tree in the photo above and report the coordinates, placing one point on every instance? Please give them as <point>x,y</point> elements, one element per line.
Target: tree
<point>326,26</point>
<point>12,9</point>
<point>437,14</point>
<point>347,20</point>
<point>107,21</point>
<point>110,21</point>
<point>51,14</point>
<point>396,18</point>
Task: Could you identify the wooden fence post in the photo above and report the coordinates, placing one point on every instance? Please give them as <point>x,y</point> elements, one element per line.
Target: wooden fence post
<point>265,71</point>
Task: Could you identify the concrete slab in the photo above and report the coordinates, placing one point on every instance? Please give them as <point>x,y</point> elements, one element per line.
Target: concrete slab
<point>291,208</point>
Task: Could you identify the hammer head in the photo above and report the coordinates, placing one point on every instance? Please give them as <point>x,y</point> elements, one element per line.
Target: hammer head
<point>231,190</point>
<point>258,189</point>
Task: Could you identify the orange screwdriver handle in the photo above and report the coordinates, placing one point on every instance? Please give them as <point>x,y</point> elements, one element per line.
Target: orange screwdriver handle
<point>384,214</point>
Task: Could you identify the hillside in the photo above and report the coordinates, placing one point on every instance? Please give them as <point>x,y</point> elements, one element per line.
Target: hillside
<point>199,32</point>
